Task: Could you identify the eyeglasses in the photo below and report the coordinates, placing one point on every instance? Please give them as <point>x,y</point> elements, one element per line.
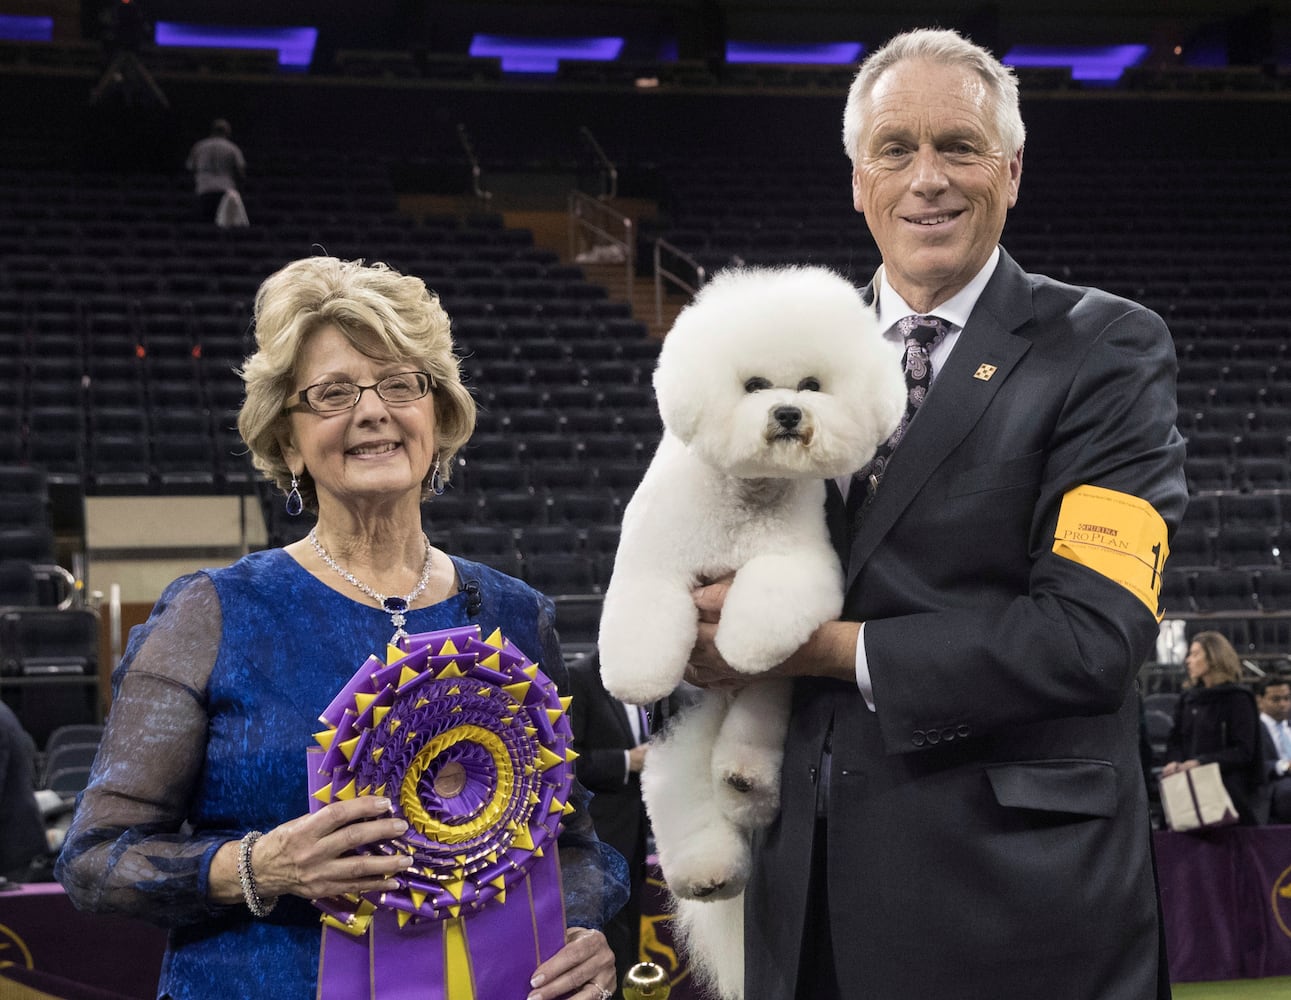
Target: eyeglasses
<point>333,397</point>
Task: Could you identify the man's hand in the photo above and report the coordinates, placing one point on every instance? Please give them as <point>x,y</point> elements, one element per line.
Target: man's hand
<point>830,652</point>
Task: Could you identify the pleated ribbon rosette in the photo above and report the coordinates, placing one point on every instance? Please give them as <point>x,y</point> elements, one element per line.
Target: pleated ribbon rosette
<point>471,743</point>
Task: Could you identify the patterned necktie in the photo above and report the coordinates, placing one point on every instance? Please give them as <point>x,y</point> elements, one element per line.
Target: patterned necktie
<point>921,334</point>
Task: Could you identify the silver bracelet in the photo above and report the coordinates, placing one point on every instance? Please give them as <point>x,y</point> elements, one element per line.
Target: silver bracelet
<point>246,876</point>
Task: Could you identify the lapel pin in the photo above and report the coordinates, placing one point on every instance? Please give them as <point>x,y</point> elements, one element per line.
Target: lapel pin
<point>984,372</point>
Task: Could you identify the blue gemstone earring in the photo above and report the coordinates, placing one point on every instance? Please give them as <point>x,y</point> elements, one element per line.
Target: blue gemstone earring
<point>436,480</point>
<point>295,503</point>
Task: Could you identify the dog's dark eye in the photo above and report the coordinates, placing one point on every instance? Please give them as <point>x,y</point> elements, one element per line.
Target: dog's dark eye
<point>756,384</point>
<point>809,385</point>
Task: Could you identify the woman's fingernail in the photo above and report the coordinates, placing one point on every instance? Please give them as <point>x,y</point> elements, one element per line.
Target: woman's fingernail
<point>537,981</point>
<point>385,804</point>
<point>535,995</point>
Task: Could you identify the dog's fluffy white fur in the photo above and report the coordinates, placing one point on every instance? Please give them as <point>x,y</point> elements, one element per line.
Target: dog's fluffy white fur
<point>771,381</point>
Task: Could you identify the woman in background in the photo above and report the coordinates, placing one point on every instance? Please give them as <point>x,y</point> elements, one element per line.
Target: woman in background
<point>1216,722</point>
<point>354,408</point>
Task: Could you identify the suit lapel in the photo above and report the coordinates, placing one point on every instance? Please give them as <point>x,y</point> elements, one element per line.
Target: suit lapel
<point>954,405</point>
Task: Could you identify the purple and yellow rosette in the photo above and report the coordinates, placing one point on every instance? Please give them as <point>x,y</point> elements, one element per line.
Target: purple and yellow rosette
<point>471,743</point>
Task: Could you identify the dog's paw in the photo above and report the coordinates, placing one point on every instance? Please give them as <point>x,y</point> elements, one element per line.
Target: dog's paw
<point>752,649</point>
<point>692,877</point>
<point>749,796</point>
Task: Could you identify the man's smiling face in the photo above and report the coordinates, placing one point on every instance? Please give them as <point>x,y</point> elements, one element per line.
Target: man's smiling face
<point>933,178</point>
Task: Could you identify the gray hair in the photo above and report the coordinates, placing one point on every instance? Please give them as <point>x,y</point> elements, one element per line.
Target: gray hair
<point>948,48</point>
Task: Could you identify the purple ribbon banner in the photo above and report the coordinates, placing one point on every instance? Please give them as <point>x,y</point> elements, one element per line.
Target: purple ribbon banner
<point>471,743</point>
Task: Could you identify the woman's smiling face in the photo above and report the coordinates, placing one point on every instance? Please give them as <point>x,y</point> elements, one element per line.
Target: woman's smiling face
<point>374,451</point>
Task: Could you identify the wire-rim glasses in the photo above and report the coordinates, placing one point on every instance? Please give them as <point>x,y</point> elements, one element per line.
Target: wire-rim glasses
<point>333,397</point>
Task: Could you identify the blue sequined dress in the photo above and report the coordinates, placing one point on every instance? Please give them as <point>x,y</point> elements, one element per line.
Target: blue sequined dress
<point>215,703</point>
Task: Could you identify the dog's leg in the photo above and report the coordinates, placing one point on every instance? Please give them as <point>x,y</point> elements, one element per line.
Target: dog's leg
<point>712,936</point>
<point>775,603</point>
<point>648,628</point>
<point>702,854</point>
<point>749,751</point>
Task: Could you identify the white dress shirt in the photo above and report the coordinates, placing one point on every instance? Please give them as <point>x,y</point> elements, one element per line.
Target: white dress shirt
<point>1281,734</point>
<point>891,310</point>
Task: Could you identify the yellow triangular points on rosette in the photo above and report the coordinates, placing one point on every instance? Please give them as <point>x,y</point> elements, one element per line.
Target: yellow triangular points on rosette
<point>324,794</point>
<point>348,791</point>
<point>450,670</point>
<point>449,648</point>
<point>500,883</point>
<point>407,674</point>
<point>393,654</point>
<point>554,714</point>
<point>376,754</point>
<point>518,691</point>
<point>547,759</point>
<point>524,839</point>
<point>454,888</point>
<point>557,806</point>
<point>533,798</point>
<point>495,639</point>
<point>362,701</point>
<point>348,746</point>
<point>418,897</point>
<point>571,755</point>
<point>403,916</point>
<point>530,671</point>
<point>324,739</point>
<point>422,703</point>
<point>492,661</point>
<point>567,809</point>
<point>379,714</point>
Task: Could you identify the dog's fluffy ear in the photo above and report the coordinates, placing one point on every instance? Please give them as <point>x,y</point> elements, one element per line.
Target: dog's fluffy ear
<point>685,380</point>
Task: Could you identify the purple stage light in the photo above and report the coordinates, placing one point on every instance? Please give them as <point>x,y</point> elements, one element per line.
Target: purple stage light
<point>542,55</point>
<point>1094,64</point>
<point>16,28</point>
<point>826,53</point>
<point>295,46</point>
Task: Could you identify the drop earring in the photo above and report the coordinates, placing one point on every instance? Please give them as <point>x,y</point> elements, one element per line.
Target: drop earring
<point>295,502</point>
<point>436,480</point>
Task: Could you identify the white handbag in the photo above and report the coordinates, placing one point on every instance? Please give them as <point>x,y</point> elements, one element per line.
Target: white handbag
<point>1196,799</point>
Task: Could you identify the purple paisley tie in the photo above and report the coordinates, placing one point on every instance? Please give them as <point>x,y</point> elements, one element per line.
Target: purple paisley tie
<point>921,334</point>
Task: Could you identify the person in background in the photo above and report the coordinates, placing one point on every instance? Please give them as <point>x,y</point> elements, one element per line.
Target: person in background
<point>963,811</point>
<point>355,409</point>
<point>1216,721</point>
<point>22,826</point>
<point>217,166</point>
<point>612,740</point>
<point>1273,698</point>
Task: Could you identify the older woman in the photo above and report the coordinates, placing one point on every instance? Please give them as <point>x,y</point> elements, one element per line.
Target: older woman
<point>1216,721</point>
<point>355,408</point>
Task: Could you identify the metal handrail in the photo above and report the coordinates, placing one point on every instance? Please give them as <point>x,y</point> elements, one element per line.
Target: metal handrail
<point>468,147</point>
<point>662,274</point>
<point>591,216</point>
<point>609,172</point>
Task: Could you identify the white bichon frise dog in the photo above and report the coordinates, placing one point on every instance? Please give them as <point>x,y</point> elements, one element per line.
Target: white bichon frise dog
<point>771,381</point>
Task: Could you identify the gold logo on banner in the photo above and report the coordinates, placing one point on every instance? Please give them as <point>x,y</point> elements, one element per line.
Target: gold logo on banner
<point>12,950</point>
<point>1281,900</point>
<point>984,372</point>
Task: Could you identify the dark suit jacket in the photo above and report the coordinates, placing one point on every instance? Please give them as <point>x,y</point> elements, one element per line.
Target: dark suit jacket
<point>988,825</point>
<point>601,735</point>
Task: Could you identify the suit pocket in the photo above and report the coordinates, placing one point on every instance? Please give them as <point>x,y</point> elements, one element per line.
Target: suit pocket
<point>1080,787</point>
<point>1016,472</point>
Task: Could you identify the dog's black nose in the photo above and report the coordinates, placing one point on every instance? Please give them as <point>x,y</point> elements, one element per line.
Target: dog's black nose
<point>787,417</point>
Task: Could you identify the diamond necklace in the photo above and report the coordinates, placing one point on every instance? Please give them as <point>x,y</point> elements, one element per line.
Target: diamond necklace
<point>395,607</point>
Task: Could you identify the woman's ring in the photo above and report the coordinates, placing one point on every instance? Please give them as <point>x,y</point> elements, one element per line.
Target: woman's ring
<point>604,994</point>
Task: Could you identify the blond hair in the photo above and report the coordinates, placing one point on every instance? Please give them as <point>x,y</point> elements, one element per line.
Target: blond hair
<point>384,314</point>
<point>1225,666</point>
<point>947,48</point>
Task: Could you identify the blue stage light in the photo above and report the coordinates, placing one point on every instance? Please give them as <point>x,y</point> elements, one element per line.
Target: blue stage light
<point>295,46</point>
<point>17,28</point>
<point>1093,64</point>
<point>542,55</point>
<point>830,53</point>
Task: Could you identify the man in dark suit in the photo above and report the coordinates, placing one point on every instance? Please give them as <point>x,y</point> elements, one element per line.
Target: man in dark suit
<point>611,739</point>
<point>1273,696</point>
<point>963,812</point>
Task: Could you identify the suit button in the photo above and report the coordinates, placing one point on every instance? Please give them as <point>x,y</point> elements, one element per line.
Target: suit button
<point>918,739</point>
<point>948,734</point>
<point>934,737</point>
<point>962,731</point>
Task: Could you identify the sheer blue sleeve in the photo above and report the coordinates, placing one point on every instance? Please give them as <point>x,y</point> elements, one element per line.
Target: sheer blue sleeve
<point>127,850</point>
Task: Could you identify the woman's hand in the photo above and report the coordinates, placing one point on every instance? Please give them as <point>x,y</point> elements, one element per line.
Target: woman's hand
<point>312,856</point>
<point>582,970</point>
<point>1175,766</point>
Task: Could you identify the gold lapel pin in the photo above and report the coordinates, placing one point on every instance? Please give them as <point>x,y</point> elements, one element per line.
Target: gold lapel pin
<point>984,372</point>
